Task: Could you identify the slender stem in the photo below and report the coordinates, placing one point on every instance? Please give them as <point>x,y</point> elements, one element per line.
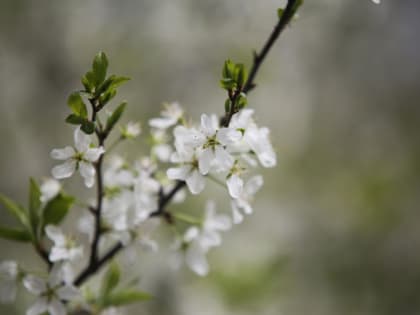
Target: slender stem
<point>98,265</point>
<point>98,210</point>
<point>43,253</point>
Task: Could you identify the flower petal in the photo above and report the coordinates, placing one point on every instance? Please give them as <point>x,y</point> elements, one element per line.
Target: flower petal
<point>162,123</point>
<point>55,307</point>
<point>62,154</point>
<point>195,182</point>
<point>55,234</point>
<point>235,185</point>
<point>49,189</point>
<point>88,173</point>
<point>64,170</point>
<point>191,234</point>
<point>237,216</point>
<point>180,173</point>
<point>253,185</point>
<point>39,307</point>
<point>81,140</point>
<point>93,154</point>
<point>207,125</point>
<point>204,160</point>
<point>223,159</point>
<point>68,292</point>
<point>34,284</point>
<point>228,136</point>
<point>196,259</point>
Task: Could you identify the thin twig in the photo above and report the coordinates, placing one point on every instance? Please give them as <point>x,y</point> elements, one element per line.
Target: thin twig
<point>259,58</point>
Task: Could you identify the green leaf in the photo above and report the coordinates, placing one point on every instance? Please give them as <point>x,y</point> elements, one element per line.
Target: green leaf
<point>242,101</point>
<point>88,127</point>
<point>34,204</point>
<point>228,84</point>
<point>15,234</point>
<point>127,296</point>
<point>228,70</point>
<point>56,209</point>
<point>99,67</point>
<point>240,74</point>
<point>107,96</point>
<point>112,83</point>
<point>15,210</point>
<point>110,280</point>
<point>280,12</point>
<point>75,102</point>
<point>74,119</point>
<point>88,81</point>
<point>115,116</point>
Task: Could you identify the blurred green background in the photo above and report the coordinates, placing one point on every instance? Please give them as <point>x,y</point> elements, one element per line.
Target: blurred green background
<point>336,227</point>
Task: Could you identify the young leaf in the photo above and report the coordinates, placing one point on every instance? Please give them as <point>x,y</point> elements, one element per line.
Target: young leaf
<point>227,84</point>
<point>74,119</point>
<point>107,96</point>
<point>77,105</point>
<point>88,81</point>
<point>240,74</point>
<point>110,280</point>
<point>15,210</point>
<point>280,12</point>
<point>56,209</point>
<point>99,67</point>
<point>34,203</point>
<point>112,83</point>
<point>88,127</point>
<point>15,234</point>
<point>228,69</point>
<point>127,296</point>
<point>115,116</point>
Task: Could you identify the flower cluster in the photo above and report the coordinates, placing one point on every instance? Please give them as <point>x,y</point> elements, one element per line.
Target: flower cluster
<point>214,151</point>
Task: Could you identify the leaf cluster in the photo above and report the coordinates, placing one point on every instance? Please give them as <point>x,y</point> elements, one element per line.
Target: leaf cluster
<point>32,219</point>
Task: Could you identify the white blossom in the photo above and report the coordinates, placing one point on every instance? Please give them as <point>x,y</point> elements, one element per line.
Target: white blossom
<point>170,116</point>
<point>51,293</point>
<point>161,149</point>
<point>146,189</point>
<point>242,204</point>
<point>376,1</point>
<point>188,171</point>
<point>212,151</point>
<point>49,189</point>
<point>254,138</point>
<point>131,130</point>
<point>199,240</point>
<point>64,247</point>
<point>9,272</point>
<point>117,174</point>
<point>80,157</point>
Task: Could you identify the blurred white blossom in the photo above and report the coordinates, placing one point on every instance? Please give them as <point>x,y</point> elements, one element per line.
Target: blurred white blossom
<point>51,293</point>
<point>9,272</point>
<point>49,189</point>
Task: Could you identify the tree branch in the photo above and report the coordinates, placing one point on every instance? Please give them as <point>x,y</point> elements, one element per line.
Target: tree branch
<point>259,57</point>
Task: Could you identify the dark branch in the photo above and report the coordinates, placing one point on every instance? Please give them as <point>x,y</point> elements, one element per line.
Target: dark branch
<point>259,58</point>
